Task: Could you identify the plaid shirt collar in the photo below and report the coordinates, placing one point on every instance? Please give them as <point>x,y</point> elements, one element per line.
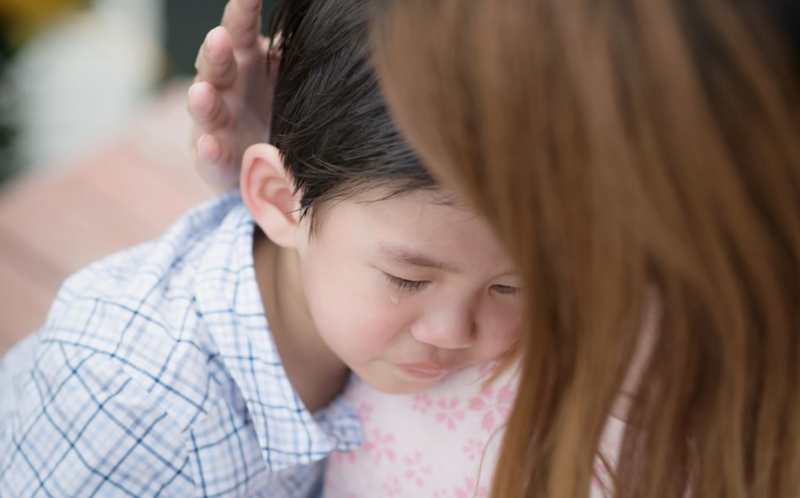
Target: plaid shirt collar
<point>246,346</point>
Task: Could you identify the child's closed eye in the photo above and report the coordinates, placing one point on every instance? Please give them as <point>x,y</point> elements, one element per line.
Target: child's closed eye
<point>506,290</point>
<point>404,284</point>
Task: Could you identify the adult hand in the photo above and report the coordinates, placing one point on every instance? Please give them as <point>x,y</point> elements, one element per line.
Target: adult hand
<point>231,99</point>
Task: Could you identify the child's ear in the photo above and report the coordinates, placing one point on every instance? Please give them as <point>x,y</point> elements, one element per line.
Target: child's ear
<point>268,193</point>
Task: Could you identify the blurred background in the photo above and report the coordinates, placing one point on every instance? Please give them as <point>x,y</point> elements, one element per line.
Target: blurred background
<point>94,151</point>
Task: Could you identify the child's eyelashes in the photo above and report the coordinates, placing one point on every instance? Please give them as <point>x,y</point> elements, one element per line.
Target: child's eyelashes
<point>506,290</point>
<point>403,284</point>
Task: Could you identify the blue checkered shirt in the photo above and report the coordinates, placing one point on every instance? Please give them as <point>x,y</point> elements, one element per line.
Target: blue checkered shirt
<point>155,374</point>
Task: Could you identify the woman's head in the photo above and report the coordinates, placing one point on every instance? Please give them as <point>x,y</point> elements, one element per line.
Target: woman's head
<point>619,147</point>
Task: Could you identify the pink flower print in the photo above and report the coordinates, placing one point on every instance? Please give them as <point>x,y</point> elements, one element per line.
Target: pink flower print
<point>332,488</point>
<point>470,491</point>
<point>466,491</point>
<point>391,486</point>
<point>474,449</point>
<point>330,485</point>
<point>345,456</point>
<point>422,403</point>
<point>493,402</point>
<point>486,367</point>
<point>364,412</point>
<point>449,412</point>
<point>380,445</point>
<point>416,470</point>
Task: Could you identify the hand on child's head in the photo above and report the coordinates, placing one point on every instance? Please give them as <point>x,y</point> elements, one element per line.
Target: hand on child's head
<point>231,100</point>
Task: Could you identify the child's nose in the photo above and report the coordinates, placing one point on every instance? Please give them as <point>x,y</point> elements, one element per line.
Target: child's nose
<point>446,328</point>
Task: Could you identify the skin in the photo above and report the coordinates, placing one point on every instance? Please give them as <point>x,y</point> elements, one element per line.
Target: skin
<point>402,291</point>
<point>231,100</point>
<point>441,324</point>
<point>236,53</point>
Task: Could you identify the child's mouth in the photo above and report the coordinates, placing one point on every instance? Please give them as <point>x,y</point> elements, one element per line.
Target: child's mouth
<point>425,371</point>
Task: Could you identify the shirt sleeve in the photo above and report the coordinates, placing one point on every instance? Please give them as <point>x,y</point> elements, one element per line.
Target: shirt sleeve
<point>82,426</point>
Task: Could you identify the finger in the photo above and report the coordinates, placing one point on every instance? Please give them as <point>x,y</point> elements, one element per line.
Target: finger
<point>209,149</point>
<point>207,108</point>
<point>242,19</point>
<point>215,61</point>
<point>216,163</point>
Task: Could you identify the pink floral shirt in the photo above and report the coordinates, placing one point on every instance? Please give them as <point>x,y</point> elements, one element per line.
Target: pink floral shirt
<point>441,443</point>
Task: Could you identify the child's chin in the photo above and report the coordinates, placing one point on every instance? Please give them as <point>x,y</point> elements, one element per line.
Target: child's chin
<point>401,385</point>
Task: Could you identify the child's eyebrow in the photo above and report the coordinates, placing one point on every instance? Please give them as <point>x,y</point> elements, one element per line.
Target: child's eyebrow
<point>409,257</point>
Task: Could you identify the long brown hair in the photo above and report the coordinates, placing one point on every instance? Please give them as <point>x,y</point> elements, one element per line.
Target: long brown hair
<point>625,149</point>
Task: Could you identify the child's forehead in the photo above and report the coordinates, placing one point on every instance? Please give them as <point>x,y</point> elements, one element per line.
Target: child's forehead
<point>382,208</point>
<point>406,212</point>
<point>436,196</point>
<point>415,225</point>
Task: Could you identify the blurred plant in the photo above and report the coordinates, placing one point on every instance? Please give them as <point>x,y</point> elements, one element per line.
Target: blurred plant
<point>20,19</point>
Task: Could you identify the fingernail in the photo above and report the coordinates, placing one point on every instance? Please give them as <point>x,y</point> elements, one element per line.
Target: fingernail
<point>213,42</point>
<point>201,108</point>
<point>207,42</point>
<point>206,151</point>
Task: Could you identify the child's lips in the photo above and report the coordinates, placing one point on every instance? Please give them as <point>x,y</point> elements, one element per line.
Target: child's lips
<point>425,371</point>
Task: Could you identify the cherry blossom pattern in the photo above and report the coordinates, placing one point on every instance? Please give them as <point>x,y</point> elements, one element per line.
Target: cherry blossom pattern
<point>416,469</point>
<point>468,490</point>
<point>345,456</point>
<point>487,367</point>
<point>422,403</point>
<point>449,412</point>
<point>380,446</point>
<point>392,487</point>
<point>332,488</point>
<point>330,485</point>
<point>364,412</point>
<point>474,449</point>
<point>495,405</point>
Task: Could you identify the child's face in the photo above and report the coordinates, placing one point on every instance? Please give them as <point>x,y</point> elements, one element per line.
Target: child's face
<point>405,290</point>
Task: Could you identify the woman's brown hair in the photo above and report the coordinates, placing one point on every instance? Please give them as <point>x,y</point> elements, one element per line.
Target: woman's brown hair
<point>633,155</point>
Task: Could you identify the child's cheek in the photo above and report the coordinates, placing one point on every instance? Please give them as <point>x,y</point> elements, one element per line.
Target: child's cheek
<point>360,323</point>
<point>384,326</point>
<point>379,327</point>
<point>500,329</point>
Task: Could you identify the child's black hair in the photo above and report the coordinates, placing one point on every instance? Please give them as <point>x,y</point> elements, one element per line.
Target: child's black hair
<point>330,121</point>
